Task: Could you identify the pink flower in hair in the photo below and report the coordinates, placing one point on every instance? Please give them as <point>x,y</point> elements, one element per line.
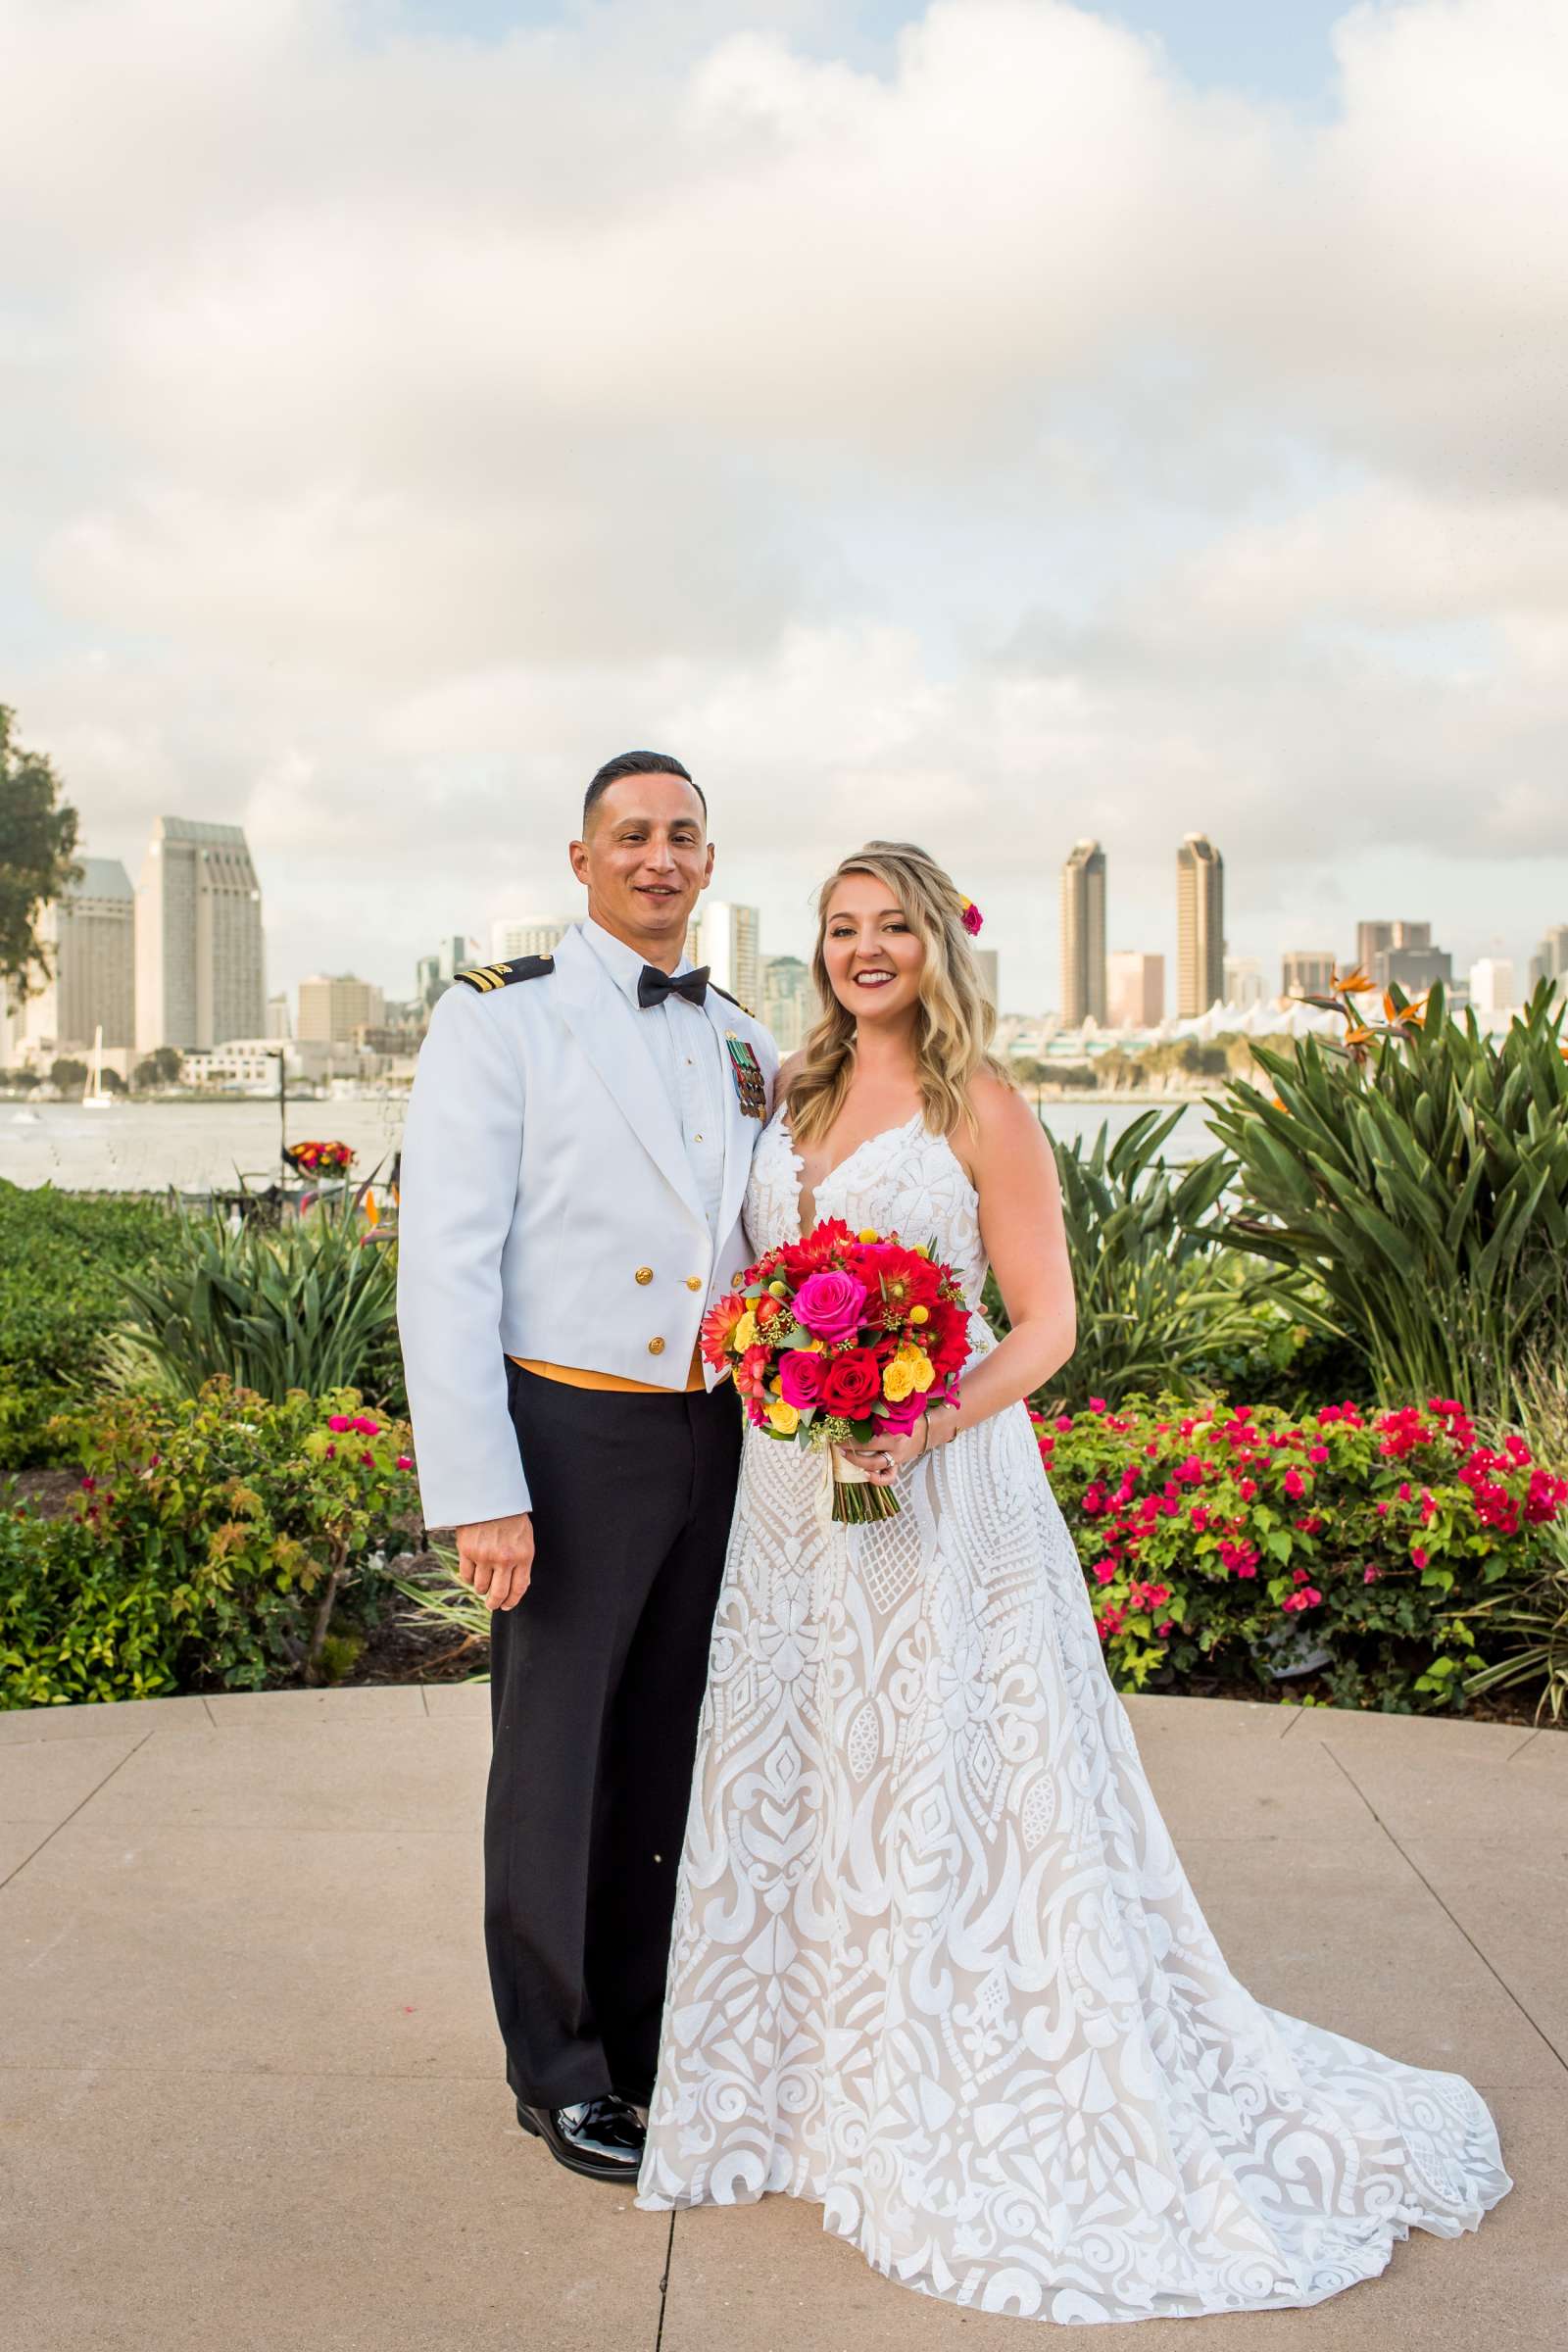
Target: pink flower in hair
<point>972,919</point>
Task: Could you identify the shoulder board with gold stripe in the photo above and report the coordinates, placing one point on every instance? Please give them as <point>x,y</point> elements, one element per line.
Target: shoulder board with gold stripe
<point>487,977</point>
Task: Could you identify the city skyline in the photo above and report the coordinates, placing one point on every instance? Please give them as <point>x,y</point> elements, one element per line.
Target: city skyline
<point>1240,511</point>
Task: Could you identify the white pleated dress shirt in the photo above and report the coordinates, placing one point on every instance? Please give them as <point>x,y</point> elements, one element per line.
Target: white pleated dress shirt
<point>690,1059</point>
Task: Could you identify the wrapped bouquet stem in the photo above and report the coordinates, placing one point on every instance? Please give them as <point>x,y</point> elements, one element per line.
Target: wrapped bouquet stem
<point>842,1339</point>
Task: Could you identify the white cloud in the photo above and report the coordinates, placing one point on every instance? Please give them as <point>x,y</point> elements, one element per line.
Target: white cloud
<point>1015,442</point>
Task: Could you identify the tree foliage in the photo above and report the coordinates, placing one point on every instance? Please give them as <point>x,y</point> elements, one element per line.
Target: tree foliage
<point>37,845</point>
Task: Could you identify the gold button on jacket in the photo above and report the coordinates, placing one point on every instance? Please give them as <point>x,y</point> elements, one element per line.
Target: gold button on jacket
<point>655,1347</point>
<point>645,1274</point>
<point>694,1282</point>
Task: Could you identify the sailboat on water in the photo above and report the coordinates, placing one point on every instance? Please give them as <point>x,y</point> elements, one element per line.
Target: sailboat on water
<point>94,1097</point>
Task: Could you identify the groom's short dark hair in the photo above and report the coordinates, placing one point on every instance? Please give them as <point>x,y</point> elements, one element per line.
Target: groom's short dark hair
<point>635,763</point>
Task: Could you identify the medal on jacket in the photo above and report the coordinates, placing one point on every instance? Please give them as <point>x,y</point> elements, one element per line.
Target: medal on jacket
<point>747,1071</point>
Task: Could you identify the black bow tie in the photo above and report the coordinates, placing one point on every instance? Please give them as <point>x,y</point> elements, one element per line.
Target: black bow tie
<point>653,986</point>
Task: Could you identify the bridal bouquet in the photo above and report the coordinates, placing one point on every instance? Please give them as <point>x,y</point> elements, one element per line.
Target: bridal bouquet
<point>839,1339</point>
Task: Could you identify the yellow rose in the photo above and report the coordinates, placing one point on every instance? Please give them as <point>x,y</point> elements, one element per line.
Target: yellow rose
<point>924,1371</point>
<point>898,1380</point>
<point>784,1418</point>
<point>743,1335</point>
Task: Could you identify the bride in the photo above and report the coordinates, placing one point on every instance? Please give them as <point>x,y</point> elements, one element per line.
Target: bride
<point>936,1965</point>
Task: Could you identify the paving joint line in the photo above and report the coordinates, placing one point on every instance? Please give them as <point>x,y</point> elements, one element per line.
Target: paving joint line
<point>1410,1863</point>
<point>76,1809</point>
<point>663,2282</point>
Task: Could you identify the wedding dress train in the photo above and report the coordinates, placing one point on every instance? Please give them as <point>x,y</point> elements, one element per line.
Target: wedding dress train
<point>936,1965</point>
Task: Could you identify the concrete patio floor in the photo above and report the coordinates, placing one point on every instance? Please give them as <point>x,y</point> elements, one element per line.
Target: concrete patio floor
<point>250,2092</point>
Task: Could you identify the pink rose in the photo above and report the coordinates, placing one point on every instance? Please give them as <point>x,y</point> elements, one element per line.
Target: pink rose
<point>830,1304</point>
<point>800,1378</point>
<point>899,1420</point>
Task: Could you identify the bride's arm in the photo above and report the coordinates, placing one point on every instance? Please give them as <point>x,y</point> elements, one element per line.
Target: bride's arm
<point>1014,1171</point>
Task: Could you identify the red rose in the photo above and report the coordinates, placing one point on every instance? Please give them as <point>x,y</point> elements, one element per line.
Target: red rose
<point>852,1384</point>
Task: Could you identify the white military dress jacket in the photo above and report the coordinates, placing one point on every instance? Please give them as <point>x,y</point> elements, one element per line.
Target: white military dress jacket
<point>548,1209</point>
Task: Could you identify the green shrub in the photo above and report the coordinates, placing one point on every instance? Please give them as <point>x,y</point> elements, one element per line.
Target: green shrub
<point>1418,1171</point>
<point>1218,1541</point>
<point>307,1304</point>
<point>1158,1298</point>
<point>60,1254</point>
<point>208,1546</point>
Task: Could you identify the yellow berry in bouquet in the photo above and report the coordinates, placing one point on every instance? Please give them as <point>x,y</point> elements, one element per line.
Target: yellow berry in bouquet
<point>919,1314</point>
<point>868,1233</point>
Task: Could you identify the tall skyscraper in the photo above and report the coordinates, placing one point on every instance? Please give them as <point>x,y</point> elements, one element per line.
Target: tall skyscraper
<point>1199,927</point>
<point>1244,982</point>
<point>1083,935</point>
<point>1492,985</point>
<point>1373,940</point>
<point>990,975</point>
<point>788,1005</point>
<point>90,932</point>
<point>1135,990</point>
<point>333,1005</point>
<point>532,935</point>
<point>434,974</point>
<point>199,950</point>
<point>1307,972</point>
<point>727,938</point>
<point>1551,959</point>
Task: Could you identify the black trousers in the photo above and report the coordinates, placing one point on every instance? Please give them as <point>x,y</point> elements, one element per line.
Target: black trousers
<point>597,1681</point>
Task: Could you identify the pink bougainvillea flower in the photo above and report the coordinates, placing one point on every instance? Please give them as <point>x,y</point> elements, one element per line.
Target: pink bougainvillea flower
<point>1064,1420</point>
<point>339,1422</point>
<point>1318,1453</point>
<point>1369,1575</point>
<point>1295,1483</point>
<point>1097,1404</point>
<point>404,1462</point>
<point>1417,1557</point>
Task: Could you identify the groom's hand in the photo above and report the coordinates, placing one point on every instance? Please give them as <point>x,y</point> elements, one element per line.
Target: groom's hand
<point>496,1557</point>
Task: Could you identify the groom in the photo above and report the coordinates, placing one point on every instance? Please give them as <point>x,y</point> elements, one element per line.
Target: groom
<point>574,1161</point>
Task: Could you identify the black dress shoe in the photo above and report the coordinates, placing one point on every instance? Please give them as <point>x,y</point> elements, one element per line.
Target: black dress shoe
<point>600,2138</point>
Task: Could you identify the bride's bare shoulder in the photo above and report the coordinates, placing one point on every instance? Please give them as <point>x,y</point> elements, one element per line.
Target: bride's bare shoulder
<point>1005,1126</point>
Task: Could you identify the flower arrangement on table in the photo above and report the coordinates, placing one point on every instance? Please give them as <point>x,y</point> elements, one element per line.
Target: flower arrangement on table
<point>319,1158</point>
<point>839,1338</point>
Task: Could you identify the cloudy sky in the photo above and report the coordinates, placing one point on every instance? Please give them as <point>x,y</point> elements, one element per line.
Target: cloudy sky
<point>988,425</point>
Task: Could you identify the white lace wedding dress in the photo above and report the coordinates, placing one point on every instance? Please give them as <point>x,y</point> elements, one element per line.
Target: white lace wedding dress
<point>936,1965</point>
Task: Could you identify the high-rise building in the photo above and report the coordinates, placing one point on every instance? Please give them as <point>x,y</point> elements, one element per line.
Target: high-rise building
<point>278,1023</point>
<point>532,935</point>
<point>334,1004</point>
<point>789,1005</point>
<point>1307,972</point>
<point>1551,959</point>
<point>1199,927</point>
<point>200,975</point>
<point>1244,982</point>
<point>1135,990</point>
<point>90,933</point>
<point>434,974</point>
<point>1492,985</point>
<point>990,976</point>
<point>1410,962</point>
<point>727,938</point>
<point>1373,940</point>
<point>1083,935</point>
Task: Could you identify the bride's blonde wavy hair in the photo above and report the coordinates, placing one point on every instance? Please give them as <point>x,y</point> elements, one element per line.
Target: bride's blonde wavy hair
<point>956,1020</point>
